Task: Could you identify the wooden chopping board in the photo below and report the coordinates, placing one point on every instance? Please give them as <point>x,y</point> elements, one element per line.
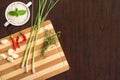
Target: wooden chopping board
<point>54,63</point>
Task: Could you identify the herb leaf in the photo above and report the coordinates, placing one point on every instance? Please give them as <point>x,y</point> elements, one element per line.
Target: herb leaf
<point>12,13</point>
<point>49,39</point>
<point>17,12</point>
<point>22,12</point>
<point>16,9</point>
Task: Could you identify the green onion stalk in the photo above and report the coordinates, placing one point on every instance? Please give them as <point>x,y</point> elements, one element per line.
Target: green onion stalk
<point>43,12</point>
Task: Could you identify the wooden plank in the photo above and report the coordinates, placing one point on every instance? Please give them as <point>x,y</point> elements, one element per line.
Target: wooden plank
<point>53,64</point>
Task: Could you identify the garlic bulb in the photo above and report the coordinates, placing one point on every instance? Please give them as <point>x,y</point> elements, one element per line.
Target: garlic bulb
<point>10,59</point>
<point>10,52</point>
<point>15,56</point>
<point>2,56</point>
<point>4,41</point>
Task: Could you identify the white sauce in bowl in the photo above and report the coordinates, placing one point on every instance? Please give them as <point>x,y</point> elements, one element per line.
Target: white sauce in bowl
<point>20,20</point>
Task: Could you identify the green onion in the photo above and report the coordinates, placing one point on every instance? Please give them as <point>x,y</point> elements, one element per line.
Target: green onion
<point>43,12</point>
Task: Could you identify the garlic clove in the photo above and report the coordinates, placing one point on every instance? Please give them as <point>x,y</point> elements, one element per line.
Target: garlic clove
<point>2,56</point>
<point>10,52</point>
<point>10,59</point>
<point>4,41</point>
<point>15,56</point>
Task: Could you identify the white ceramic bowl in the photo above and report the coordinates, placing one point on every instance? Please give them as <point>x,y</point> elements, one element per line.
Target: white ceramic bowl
<point>20,20</point>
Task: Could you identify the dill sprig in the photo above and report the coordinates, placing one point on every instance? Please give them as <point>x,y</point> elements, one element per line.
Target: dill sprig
<point>49,39</point>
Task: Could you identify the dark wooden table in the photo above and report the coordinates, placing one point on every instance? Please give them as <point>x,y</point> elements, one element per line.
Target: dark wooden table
<point>90,37</point>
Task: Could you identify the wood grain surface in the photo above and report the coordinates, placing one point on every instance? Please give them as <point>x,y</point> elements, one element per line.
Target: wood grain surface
<point>90,37</point>
<point>54,63</point>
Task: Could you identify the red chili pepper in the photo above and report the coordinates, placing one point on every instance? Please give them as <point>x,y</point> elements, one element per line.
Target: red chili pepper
<point>14,42</point>
<point>24,37</point>
<point>17,41</point>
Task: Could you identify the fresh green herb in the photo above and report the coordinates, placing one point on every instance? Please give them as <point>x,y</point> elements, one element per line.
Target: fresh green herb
<point>43,12</point>
<point>17,12</point>
<point>49,39</point>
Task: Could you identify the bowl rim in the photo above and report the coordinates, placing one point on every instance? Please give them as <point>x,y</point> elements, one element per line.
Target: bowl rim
<point>28,13</point>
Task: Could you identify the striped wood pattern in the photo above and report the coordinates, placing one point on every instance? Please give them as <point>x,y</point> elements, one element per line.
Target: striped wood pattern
<point>54,63</point>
